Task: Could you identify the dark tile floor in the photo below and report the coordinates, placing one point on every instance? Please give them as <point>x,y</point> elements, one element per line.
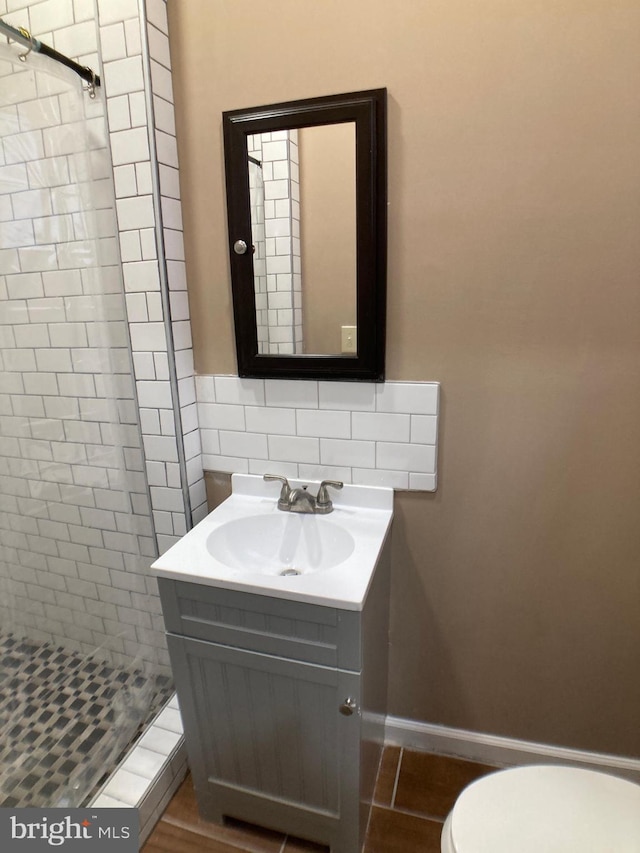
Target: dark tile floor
<point>66,717</point>
<point>414,793</point>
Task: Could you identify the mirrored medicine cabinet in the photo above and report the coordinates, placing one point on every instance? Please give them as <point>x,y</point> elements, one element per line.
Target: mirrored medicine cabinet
<point>306,206</point>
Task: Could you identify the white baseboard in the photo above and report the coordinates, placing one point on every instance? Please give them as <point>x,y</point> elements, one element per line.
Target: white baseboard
<point>500,751</point>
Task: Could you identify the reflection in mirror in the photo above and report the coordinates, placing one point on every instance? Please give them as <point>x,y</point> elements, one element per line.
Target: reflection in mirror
<point>302,190</point>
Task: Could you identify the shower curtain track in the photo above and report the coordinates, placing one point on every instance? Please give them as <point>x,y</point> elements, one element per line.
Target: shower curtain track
<point>24,37</point>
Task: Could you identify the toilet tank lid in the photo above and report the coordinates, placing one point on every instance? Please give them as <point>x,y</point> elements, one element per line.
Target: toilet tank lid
<point>547,807</point>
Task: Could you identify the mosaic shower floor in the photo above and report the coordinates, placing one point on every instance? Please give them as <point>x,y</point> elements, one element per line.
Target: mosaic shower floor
<point>66,720</point>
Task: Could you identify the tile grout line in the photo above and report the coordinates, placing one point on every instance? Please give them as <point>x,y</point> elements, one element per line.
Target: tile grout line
<point>433,818</point>
<point>396,780</point>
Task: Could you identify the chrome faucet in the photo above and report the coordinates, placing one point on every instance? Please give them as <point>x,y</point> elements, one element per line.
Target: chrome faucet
<point>300,500</point>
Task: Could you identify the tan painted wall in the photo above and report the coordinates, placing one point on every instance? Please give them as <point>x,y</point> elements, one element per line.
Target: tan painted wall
<point>328,234</point>
<point>514,265</point>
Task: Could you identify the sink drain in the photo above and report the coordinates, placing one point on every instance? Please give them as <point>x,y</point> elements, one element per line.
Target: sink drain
<point>286,572</point>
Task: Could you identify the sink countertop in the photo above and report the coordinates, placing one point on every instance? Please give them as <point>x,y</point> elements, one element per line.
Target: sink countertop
<point>364,511</point>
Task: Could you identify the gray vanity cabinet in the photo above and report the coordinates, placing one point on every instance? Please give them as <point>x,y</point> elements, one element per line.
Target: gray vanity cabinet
<point>283,706</point>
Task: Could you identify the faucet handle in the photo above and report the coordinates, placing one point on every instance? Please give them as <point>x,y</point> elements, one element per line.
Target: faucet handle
<point>323,501</point>
<point>284,501</point>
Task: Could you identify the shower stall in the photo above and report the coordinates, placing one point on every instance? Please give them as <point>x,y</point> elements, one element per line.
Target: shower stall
<point>83,662</point>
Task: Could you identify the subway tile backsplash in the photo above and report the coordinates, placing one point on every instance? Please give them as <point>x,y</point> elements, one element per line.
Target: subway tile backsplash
<point>364,433</point>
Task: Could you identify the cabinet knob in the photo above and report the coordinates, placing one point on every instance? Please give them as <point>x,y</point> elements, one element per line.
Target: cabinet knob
<point>240,247</point>
<point>348,706</point>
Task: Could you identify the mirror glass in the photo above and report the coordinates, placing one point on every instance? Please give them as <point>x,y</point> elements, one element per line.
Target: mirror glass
<point>306,206</point>
<point>302,189</point>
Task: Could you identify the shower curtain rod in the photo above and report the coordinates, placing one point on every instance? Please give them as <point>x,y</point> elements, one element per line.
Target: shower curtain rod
<point>24,37</point>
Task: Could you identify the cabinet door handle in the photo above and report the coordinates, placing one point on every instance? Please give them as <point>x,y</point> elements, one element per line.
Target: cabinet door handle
<point>348,706</point>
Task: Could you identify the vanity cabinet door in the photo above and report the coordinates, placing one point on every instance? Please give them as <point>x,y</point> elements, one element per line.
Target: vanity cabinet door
<point>268,741</point>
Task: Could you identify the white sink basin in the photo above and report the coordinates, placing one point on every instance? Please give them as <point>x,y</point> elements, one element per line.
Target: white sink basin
<point>289,544</point>
<point>248,544</point>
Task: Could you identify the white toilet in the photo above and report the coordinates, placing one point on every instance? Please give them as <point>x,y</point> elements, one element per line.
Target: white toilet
<point>545,809</point>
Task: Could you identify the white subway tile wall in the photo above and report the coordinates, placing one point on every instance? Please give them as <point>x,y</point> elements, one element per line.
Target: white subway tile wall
<point>179,347</point>
<point>55,400</point>
<point>76,525</point>
<point>150,231</point>
<point>365,433</point>
<point>274,194</point>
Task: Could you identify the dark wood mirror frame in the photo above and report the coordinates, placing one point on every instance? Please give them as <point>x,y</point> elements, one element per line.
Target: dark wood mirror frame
<point>368,111</point>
